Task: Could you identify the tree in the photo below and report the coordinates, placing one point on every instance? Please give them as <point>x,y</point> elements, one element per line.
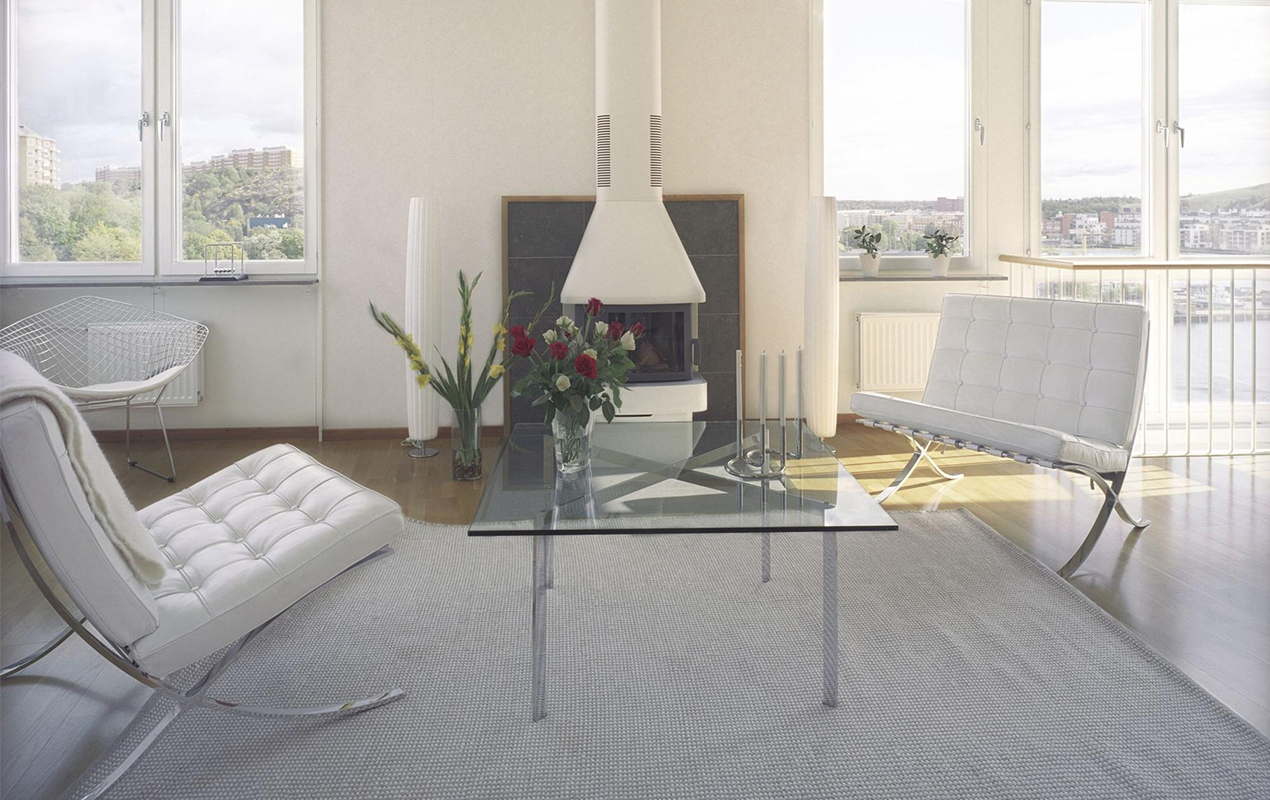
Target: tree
<point>107,243</point>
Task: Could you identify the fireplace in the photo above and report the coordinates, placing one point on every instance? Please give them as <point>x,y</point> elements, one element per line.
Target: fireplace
<point>668,349</point>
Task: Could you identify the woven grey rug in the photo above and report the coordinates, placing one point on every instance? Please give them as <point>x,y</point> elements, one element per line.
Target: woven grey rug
<point>968,671</point>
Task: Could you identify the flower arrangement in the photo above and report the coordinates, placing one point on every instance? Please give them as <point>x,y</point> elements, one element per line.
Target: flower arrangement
<point>581,370</point>
<point>460,388</point>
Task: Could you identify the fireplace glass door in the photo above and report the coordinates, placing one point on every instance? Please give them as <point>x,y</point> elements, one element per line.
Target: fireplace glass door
<point>664,352</point>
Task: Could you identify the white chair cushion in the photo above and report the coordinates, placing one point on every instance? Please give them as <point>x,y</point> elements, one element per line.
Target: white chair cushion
<point>118,390</point>
<point>65,529</point>
<point>248,542</point>
<point>1015,437</point>
<point>1061,364</point>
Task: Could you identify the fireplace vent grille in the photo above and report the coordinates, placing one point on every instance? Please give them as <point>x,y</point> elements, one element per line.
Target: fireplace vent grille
<point>603,172</point>
<point>654,149</point>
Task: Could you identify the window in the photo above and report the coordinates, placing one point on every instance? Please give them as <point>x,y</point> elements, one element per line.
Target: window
<point>897,120</point>
<point>1223,108</point>
<point>78,70</point>
<point>1093,128</point>
<point>152,128</point>
<point>1154,128</point>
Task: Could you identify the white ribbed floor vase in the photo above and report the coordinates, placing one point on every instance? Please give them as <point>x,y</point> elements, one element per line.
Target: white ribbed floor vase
<point>968,671</point>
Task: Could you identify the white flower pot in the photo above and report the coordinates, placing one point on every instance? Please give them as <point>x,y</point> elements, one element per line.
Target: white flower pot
<point>869,264</point>
<point>939,266</point>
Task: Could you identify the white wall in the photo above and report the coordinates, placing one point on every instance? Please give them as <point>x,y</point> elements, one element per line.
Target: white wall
<point>469,101</point>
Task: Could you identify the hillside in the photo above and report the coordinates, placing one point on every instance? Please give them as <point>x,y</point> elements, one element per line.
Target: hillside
<point>1248,197</point>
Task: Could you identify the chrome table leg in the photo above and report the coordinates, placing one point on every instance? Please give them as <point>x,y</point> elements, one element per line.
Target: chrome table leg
<point>830,618</point>
<point>538,689</point>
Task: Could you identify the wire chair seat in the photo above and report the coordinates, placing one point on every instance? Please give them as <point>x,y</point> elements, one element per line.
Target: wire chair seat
<point>104,353</point>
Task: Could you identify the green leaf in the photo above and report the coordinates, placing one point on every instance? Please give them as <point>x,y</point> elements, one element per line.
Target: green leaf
<point>540,399</point>
<point>575,402</point>
<point>551,414</point>
<point>596,402</point>
<point>609,412</point>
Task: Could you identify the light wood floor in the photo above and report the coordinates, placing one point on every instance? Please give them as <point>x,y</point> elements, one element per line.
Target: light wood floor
<point>1194,585</point>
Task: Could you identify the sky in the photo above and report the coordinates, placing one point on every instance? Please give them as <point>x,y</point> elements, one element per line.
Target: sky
<point>79,78</point>
<point>895,118</point>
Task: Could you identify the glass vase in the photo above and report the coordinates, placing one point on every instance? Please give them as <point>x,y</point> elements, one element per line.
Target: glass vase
<point>465,441</point>
<point>572,441</point>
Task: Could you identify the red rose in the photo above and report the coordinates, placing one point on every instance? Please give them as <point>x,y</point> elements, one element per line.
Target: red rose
<point>615,330</point>
<point>593,307</point>
<point>559,350</point>
<point>585,365</point>
<point>517,332</point>
<point>637,330</point>
<point>523,346</point>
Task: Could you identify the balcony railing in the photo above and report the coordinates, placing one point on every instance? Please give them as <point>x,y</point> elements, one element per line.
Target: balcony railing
<point>1208,363</point>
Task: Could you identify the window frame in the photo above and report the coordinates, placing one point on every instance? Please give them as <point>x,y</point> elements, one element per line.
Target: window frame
<point>1161,235</point>
<point>161,184</point>
<point>976,178</point>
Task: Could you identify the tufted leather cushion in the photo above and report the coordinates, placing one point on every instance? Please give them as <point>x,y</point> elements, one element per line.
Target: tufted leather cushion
<point>246,543</point>
<point>56,512</point>
<point>1061,364</point>
<point>1068,374</point>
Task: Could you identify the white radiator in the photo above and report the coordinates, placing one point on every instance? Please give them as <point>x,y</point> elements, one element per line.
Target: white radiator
<point>186,390</point>
<point>893,351</point>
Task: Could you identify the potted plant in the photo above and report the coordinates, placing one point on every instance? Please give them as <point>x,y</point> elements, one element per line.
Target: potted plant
<point>456,385</point>
<point>939,246</point>
<point>867,241</point>
<point>580,371</point>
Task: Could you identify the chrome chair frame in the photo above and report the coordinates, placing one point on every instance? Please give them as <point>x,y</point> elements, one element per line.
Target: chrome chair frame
<point>1111,483</point>
<point>194,697</point>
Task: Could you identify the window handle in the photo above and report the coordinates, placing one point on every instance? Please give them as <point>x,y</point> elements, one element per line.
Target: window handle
<point>164,121</point>
<point>142,122</point>
<point>1181,133</point>
<point>982,129</point>
<point>1160,127</point>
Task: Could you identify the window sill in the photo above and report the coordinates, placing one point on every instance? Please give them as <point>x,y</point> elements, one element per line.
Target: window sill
<point>51,282</point>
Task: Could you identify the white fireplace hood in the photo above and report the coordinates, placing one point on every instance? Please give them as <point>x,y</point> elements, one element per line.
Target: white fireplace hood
<point>630,252</point>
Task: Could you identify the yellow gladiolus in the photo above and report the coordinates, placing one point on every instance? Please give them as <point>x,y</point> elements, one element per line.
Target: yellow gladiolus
<point>496,370</point>
<point>423,380</point>
<point>499,330</point>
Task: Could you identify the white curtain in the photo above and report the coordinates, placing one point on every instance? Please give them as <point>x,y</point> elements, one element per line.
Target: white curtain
<point>423,313</point>
<point>820,320</point>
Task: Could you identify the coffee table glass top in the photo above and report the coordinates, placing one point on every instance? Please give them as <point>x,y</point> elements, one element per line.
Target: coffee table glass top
<point>669,477</point>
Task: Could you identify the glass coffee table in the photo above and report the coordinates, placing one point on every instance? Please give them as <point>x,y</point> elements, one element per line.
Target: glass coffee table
<point>670,478</point>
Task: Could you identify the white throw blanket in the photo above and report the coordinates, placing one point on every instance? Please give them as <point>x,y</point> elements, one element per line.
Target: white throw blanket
<point>110,505</point>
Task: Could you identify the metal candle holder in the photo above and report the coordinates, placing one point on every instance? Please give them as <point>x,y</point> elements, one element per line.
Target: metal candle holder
<point>762,462</point>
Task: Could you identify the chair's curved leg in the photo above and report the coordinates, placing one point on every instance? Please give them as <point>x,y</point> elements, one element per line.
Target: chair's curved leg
<point>137,752</point>
<point>50,646</point>
<point>926,455</point>
<point>351,706</point>
<point>899,479</point>
<point>1091,538</point>
<point>1137,522</point>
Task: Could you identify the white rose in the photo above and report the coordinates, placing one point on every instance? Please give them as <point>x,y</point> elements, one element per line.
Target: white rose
<point>565,323</point>
<point>549,336</point>
<point>562,382</point>
<point>601,328</point>
<point>589,352</point>
<point>628,341</point>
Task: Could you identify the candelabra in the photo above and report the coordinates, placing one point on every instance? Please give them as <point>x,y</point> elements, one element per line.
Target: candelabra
<point>763,462</point>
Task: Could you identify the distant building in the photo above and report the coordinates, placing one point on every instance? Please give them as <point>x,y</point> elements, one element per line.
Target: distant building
<point>120,176</point>
<point>949,205</point>
<point>248,158</point>
<point>268,222</point>
<point>37,158</point>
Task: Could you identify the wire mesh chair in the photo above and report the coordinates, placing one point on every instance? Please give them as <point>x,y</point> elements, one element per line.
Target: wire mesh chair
<point>106,354</point>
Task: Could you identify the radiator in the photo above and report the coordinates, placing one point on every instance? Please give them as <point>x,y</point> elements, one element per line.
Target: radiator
<point>893,351</point>
<point>186,390</point>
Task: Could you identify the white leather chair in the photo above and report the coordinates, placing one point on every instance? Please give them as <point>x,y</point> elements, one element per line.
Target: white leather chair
<point>1057,383</point>
<point>242,546</point>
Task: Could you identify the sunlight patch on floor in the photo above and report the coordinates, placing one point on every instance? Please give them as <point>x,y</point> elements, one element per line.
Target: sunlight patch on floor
<point>1156,481</point>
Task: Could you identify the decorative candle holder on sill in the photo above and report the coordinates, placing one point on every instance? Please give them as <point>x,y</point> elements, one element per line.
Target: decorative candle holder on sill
<point>763,462</point>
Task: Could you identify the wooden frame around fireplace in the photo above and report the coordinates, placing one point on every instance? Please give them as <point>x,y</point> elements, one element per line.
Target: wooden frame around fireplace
<point>562,198</point>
